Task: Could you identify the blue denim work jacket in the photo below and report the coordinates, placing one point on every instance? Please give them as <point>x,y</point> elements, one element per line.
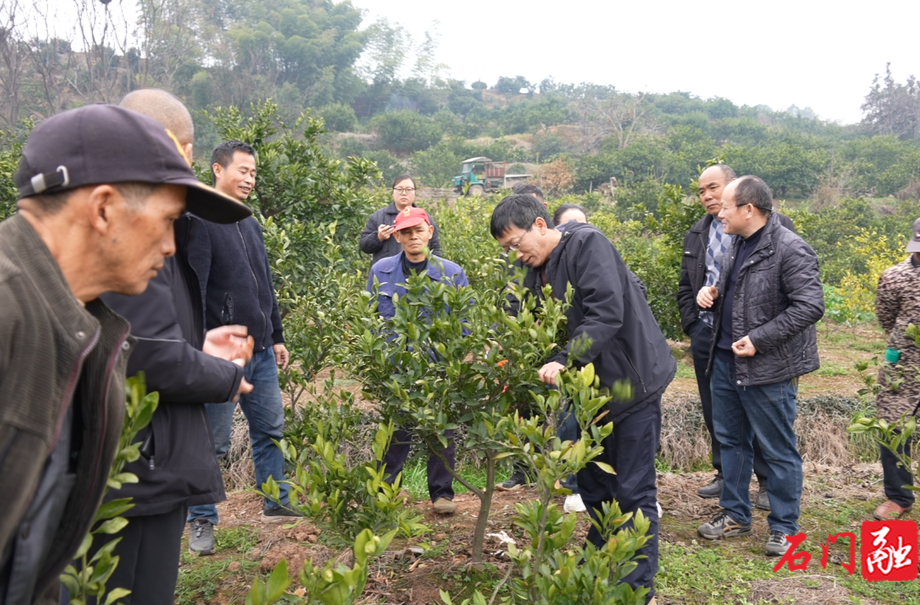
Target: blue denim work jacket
<point>392,281</point>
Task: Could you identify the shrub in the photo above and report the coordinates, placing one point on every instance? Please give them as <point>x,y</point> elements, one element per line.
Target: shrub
<point>338,117</point>
<point>403,132</point>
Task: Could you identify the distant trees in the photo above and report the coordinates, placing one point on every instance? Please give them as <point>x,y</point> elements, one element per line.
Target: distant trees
<point>892,108</point>
<point>512,85</point>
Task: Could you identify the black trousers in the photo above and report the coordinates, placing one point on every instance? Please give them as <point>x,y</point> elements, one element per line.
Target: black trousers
<point>700,339</point>
<point>440,481</point>
<point>149,551</point>
<point>631,451</point>
<point>896,477</point>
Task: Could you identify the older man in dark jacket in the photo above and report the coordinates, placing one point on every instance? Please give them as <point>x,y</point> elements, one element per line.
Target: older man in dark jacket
<point>88,223</point>
<point>704,247</point>
<point>610,313</point>
<point>767,302</point>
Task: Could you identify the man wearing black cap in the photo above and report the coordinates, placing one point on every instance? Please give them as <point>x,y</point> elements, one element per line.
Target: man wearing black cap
<point>100,188</point>
<point>897,305</point>
<point>765,306</point>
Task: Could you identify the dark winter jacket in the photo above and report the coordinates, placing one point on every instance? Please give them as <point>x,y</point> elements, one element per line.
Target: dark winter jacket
<point>370,243</point>
<point>53,351</point>
<point>235,278</point>
<point>693,267</point>
<point>610,309</point>
<point>177,465</point>
<point>778,299</point>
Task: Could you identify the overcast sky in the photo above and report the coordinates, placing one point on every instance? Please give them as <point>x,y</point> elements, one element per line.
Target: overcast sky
<point>808,53</point>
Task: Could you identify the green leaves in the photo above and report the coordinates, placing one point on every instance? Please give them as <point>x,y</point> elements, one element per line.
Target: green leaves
<point>89,577</point>
<point>271,590</point>
<point>343,494</point>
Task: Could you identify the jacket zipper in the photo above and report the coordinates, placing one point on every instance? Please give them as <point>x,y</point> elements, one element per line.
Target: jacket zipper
<point>638,375</point>
<point>105,410</point>
<point>71,386</point>
<point>68,396</point>
<point>254,279</point>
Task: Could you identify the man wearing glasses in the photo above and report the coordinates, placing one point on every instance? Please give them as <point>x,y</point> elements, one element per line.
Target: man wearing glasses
<point>705,246</point>
<point>610,312</point>
<point>765,306</point>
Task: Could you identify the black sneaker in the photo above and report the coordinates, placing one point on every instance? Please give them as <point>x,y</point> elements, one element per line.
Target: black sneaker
<point>711,490</point>
<point>723,526</point>
<point>763,498</point>
<point>517,480</point>
<point>276,514</point>
<point>201,537</point>
<point>777,544</point>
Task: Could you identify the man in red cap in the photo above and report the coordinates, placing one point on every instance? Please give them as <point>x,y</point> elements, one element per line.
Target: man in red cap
<point>413,230</point>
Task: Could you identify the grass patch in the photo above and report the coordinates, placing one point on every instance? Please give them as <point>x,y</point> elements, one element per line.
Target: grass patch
<point>834,369</point>
<point>415,477</point>
<point>201,578</point>
<point>685,370</point>
<point>698,573</point>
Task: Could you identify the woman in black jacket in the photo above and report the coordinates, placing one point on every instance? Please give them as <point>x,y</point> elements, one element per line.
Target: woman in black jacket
<point>377,237</point>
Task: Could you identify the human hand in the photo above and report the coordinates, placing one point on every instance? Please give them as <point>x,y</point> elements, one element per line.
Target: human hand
<point>384,232</point>
<point>244,388</point>
<point>282,357</point>
<point>707,296</point>
<point>549,372</point>
<point>229,342</point>
<point>744,347</point>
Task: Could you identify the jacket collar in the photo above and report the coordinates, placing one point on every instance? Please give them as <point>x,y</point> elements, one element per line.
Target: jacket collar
<point>391,209</point>
<point>556,255</point>
<point>766,238</point>
<point>394,268</point>
<point>702,225</point>
<point>22,242</point>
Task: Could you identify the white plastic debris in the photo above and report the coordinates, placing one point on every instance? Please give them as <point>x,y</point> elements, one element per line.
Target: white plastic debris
<point>502,537</point>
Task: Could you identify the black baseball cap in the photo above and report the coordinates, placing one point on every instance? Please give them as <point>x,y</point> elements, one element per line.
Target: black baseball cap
<point>914,244</point>
<point>101,143</point>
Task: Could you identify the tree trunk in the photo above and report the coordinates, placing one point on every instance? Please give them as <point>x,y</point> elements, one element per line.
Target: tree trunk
<point>485,505</point>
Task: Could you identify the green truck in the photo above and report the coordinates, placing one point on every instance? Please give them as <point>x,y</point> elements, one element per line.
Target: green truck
<point>482,175</point>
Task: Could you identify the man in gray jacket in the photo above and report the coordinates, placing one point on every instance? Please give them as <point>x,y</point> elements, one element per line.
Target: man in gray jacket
<point>766,303</point>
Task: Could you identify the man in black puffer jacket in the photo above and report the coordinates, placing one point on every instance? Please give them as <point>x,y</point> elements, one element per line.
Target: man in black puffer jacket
<point>610,311</point>
<point>766,303</point>
<point>177,468</point>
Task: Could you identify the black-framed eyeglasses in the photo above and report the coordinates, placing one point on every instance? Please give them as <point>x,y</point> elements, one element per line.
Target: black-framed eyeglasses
<point>403,189</point>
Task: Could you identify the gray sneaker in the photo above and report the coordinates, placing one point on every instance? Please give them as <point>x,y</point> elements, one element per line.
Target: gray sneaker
<point>201,537</point>
<point>763,498</point>
<point>777,544</point>
<point>711,490</point>
<point>723,526</point>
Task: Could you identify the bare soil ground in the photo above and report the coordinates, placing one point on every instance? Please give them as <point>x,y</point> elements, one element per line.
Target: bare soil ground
<point>402,577</point>
<point>839,493</point>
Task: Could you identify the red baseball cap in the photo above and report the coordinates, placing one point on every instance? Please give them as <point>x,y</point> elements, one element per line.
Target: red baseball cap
<point>410,217</point>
